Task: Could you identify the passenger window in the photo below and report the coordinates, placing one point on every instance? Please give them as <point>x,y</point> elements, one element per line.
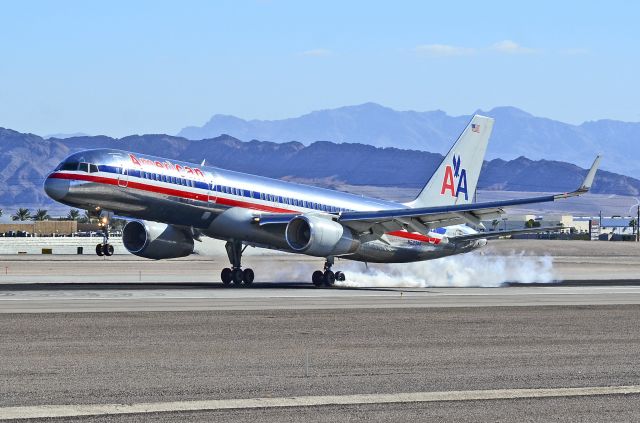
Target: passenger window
<point>93,168</point>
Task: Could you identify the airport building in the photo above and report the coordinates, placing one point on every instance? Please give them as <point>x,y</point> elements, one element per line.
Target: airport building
<point>39,228</point>
<point>510,222</point>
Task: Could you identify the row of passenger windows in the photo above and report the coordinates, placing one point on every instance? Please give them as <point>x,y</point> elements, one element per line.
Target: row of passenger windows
<point>167,178</point>
<point>277,199</point>
<point>92,168</point>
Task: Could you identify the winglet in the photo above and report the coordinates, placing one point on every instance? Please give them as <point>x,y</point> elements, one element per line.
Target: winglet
<point>588,180</point>
<point>586,184</point>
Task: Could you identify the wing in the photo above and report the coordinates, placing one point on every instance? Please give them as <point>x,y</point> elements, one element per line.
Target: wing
<point>424,219</point>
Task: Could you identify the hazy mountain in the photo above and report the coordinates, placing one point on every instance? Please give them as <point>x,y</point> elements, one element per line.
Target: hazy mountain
<point>64,136</point>
<point>516,133</point>
<point>25,159</point>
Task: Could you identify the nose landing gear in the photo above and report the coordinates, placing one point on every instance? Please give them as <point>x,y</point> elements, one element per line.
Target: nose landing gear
<point>235,274</point>
<point>327,277</point>
<point>105,249</point>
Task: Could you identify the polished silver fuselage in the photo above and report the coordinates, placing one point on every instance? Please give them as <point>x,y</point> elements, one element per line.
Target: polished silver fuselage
<point>222,204</point>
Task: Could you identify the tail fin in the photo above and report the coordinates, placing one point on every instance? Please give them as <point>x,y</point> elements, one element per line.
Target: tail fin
<point>456,179</point>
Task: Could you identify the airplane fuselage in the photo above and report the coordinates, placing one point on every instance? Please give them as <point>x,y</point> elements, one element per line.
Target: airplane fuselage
<point>222,204</point>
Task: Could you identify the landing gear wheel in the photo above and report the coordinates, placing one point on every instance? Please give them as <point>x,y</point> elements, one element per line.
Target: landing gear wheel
<point>99,250</point>
<point>317,278</point>
<point>329,278</point>
<point>236,276</point>
<point>247,276</point>
<point>340,276</point>
<point>107,249</point>
<point>225,275</point>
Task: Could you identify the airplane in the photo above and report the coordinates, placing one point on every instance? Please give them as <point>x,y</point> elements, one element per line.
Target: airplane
<point>170,204</point>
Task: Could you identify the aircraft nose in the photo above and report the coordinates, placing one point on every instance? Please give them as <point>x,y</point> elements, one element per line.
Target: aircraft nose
<point>56,188</point>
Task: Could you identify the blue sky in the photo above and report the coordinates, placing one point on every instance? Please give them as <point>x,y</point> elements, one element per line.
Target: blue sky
<point>125,67</point>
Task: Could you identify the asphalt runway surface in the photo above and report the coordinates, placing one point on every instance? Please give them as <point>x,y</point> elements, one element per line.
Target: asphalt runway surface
<point>127,337</point>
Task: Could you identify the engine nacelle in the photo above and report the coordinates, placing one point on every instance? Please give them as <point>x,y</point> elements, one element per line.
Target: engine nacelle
<point>317,236</point>
<point>156,241</point>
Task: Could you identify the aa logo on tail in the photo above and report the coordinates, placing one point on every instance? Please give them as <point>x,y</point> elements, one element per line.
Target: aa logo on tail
<point>455,179</point>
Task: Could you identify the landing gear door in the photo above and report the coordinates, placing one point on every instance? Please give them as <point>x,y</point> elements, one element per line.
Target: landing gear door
<point>123,177</point>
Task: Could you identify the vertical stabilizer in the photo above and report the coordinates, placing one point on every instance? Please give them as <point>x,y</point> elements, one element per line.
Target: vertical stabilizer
<point>456,179</point>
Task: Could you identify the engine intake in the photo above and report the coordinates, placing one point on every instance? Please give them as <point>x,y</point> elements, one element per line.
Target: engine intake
<point>318,236</point>
<point>156,241</point>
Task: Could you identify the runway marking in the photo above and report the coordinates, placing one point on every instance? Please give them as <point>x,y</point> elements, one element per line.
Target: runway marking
<point>51,411</point>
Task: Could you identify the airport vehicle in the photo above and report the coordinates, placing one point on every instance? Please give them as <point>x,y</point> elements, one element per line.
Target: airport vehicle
<point>171,204</point>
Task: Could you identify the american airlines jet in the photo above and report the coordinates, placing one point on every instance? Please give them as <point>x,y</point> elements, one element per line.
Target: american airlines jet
<point>171,204</point>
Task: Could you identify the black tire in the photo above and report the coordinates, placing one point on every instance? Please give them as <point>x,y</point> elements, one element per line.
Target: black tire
<point>248,276</point>
<point>317,278</point>
<point>236,276</point>
<point>99,250</point>
<point>340,276</point>
<point>108,250</point>
<point>329,278</point>
<point>225,276</point>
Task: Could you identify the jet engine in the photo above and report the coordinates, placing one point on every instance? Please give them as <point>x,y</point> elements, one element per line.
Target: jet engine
<point>318,236</point>
<point>156,241</point>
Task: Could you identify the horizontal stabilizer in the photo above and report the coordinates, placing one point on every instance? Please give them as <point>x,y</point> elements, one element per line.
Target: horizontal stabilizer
<point>498,234</point>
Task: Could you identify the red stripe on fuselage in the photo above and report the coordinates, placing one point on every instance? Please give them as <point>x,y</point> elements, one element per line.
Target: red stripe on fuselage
<point>415,236</point>
<point>170,191</point>
<point>218,200</point>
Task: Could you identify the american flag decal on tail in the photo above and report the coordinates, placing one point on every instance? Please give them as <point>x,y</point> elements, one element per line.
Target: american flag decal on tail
<point>475,128</point>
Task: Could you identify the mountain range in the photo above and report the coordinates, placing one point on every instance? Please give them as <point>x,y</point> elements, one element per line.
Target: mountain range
<point>25,160</point>
<point>516,133</point>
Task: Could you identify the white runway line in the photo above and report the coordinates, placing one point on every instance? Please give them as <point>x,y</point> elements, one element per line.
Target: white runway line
<point>50,411</point>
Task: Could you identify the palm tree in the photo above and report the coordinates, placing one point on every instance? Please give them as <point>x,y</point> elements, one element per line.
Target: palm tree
<point>22,215</point>
<point>74,214</point>
<point>41,214</point>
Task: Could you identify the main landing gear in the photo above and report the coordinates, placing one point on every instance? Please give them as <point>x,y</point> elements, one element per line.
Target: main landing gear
<point>104,249</point>
<point>235,274</point>
<point>327,277</point>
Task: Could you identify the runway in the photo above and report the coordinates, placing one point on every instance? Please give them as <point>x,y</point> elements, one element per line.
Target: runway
<point>274,296</point>
<point>151,357</point>
<point>132,340</point>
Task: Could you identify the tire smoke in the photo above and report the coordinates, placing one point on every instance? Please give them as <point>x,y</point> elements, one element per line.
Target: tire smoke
<point>465,270</point>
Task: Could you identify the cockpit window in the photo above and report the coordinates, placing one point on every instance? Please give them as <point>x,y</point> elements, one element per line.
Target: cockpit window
<point>93,168</point>
<point>69,166</point>
<point>84,167</point>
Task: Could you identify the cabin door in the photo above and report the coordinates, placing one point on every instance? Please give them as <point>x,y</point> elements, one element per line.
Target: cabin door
<point>123,177</point>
